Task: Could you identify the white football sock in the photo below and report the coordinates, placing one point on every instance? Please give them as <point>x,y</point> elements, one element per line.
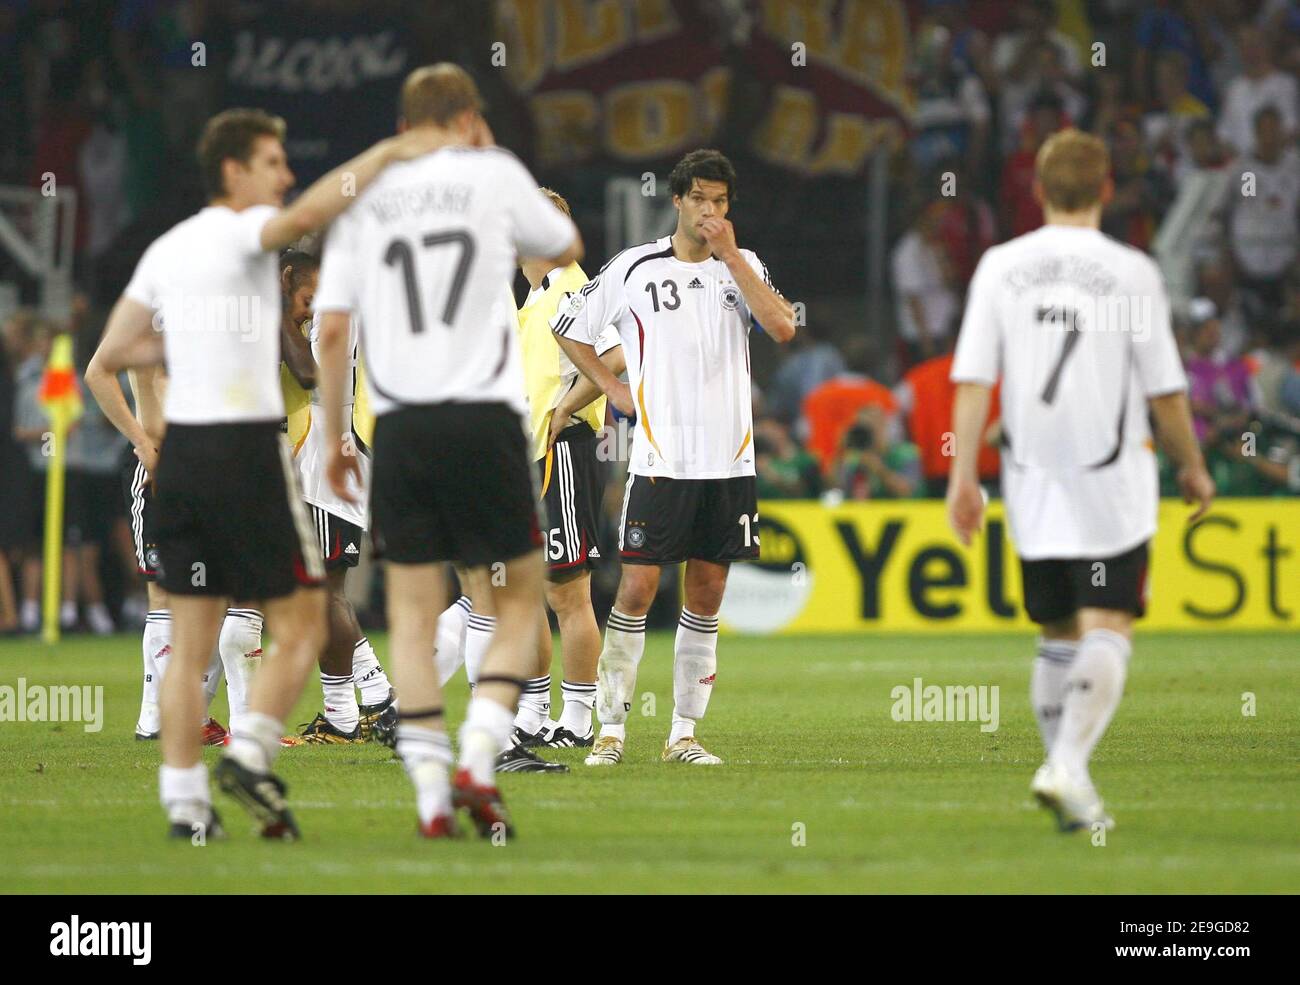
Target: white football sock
<point>695,664</point>
<point>426,754</point>
<point>449,652</point>
<point>579,700</point>
<point>156,645</point>
<point>68,615</point>
<point>1047,685</point>
<point>534,704</point>
<point>97,617</point>
<point>258,742</point>
<point>482,737</point>
<point>240,646</point>
<point>185,794</point>
<point>30,619</point>
<point>478,636</point>
<point>616,671</point>
<point>211,681</point>
<point>369,676</point>
<point>340,696</point>
<point>1093,688</point>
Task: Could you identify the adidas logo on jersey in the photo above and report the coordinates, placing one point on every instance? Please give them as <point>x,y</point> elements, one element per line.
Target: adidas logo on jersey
<point>695,282</point>
<point>351,549</point>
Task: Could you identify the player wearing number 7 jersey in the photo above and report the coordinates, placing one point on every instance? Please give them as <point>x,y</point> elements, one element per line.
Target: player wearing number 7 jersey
<point>683,307</point>
<point>1077,326</point>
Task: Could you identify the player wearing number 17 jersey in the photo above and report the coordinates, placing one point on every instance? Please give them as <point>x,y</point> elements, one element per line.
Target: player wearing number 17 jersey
<point>683,307</point>
<point>1077,326</point>
<point>423,258</point>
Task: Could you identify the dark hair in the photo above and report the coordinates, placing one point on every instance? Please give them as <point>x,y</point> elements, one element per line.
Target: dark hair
<point>706,165</point>
<point>232,134</point>
<point>1268,109</point>
<point>299,265</point>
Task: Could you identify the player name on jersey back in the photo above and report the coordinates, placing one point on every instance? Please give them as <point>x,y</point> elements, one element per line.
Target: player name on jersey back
<point>1077,326</point>
<point>423,256</point>
<point>685,333</point>
<point>216,294</point>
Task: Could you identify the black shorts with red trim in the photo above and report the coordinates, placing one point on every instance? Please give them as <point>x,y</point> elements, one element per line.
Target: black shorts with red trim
<point>1056,588</point>
<point>667,521</point>
<point>452,482</point>
<point>572,484</point>
<point>140,514</point>
<point>339,540</point>
<point>230,519</point>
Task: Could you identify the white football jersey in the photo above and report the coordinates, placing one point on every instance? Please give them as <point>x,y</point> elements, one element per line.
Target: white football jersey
<point>314,453</point>
<point>1077,325</point>
<point>217,294</point>
<point>422,256</point>
<point>685,332</point>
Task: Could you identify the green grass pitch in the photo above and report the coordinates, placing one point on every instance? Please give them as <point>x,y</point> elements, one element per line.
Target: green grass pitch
<point>822,790</point>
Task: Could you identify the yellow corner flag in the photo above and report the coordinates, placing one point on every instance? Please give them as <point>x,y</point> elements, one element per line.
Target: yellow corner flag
<point>61,399</point>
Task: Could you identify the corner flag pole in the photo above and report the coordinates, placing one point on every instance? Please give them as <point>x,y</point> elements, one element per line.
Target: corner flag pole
<point>62,402</point>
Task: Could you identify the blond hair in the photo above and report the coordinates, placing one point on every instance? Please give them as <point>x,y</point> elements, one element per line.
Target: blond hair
<point>437,94</point>
<point>1072,168</point>
<point>558,199</point>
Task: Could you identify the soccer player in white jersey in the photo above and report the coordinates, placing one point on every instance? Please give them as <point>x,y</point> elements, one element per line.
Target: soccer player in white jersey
<point>231,522</point>
<point>422,257</point>
<point>683,306</point>
<point>1077,327</point>
<point>348,662</point>
<point>145,427</point>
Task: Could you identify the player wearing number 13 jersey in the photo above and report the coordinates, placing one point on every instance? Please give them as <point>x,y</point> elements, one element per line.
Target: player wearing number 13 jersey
<point>683,307</point>
<point>1077,327</point>
<point>425,258</point>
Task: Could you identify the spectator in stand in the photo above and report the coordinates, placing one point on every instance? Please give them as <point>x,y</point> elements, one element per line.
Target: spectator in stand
<point>830,409</point>
<point>1049,77</point>
<point>952,112</point>
<point>1260,84</point>
<point>1020,210</point>
<point>15,484</point>
<point>923,288</point>
<point>1141,192</point>
<point>871,464</point>
<point>1175,25</point>
<point>1218,281</point>
<point>1263,205</point>
<point>1014,51</point>
<point>811,361</point>
<point>784,470</point>
<point>925,397</point>
<point>1219,389</point>
<point>966,224</point>
<point>1165,124</point>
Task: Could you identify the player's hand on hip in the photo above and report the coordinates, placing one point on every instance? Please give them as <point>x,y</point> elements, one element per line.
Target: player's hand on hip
<point>554,426</point>
<point>965,509</point>
<point>1197,487</point>
<point>148,456</point>
<point>343,470</point>
<point>720,235</point>
<point>620,395</point>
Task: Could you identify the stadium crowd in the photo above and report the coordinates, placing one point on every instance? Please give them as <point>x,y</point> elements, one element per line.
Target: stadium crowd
<point>1197,100</point>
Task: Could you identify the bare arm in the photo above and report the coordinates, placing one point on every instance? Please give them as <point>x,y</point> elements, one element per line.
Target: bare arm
<point>772,311</point>
<point>584,392</point>
<point>571,255</point>
<point>330,195</point>
<point>333,347</point>
<point>295,350</point>
<point>965,500</point>
<point>589,365</point>
<point>1173,417</point>
<point>130,342</point>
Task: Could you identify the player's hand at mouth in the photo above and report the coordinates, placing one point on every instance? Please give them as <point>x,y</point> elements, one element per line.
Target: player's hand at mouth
<point>720,235</point>
<point>965,509</point>
<point>1197,487</point>
<point>344,474</point>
